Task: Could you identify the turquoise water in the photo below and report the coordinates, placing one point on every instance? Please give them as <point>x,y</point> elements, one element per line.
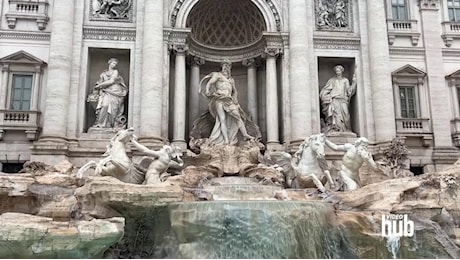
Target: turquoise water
<point>235,229</point>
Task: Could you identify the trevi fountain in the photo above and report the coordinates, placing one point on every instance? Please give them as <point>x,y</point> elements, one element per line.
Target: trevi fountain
<point>227,195</point>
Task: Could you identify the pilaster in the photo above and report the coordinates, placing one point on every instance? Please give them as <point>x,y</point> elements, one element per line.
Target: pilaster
<point>152,74</point>
<point>300,44</point>
<point>379,58</point>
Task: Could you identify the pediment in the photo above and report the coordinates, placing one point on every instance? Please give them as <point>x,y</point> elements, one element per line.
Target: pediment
<point>455,74</point>
<point>408,71</point>
<point>21,57</point>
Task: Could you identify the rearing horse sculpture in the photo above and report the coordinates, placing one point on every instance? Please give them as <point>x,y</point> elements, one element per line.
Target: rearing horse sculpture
<point>308,167</point>
<point>117,163</point>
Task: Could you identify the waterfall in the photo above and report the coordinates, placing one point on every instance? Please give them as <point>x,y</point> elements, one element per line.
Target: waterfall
<point>234,229</point>
<point>393,245</point>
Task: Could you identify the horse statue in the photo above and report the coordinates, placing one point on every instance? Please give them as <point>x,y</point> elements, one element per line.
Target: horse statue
<point>116,163</point>
<point>308,167</point>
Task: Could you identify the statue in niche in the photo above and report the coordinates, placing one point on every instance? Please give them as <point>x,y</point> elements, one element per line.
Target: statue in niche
<point>332,14</point>
<point>335,101</point>
<point>112,9</point>
<point>108,98</point>
<point>355,155</point>
<point>225,122</point>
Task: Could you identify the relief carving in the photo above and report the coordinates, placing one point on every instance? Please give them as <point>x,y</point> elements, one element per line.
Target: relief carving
<point>111,9</point>
<point>333,14</point>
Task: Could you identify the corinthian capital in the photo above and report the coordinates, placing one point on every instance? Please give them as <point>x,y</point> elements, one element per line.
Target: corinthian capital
<point>179,48</point>
<point>272,51</point>
<point>251,62</point>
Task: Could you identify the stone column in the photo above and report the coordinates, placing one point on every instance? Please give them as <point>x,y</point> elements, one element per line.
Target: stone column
<point>194,96</point>
<point>179,97</point>
<point>3,92</point>
<point>152,74</point>
<point>59,72</point>
<point>252,88</point>
<point>272,100</point>
<point>35,92</point>
<point>379,58</point>
<point>300,97</point>
<point>440,115</point>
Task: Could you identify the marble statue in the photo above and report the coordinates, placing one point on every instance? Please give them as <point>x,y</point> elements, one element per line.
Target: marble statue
<point>308,167</point>
<point>112,9</point>
<point>355,155</point>
<point>335,101</point>
<point>116,162</point>
<point>160,161</point>
<point>151,169</point>
<point>109,98</point>
<point>225,122</point>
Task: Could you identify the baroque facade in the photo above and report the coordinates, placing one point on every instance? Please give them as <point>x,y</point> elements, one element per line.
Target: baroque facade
<point>401,57</point>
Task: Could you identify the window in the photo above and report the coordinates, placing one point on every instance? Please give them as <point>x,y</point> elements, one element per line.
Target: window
<point>453,8</point>
<point>399,9</point>
<point>21,92</point>
<point>21,80</point>
<point>407,99</point>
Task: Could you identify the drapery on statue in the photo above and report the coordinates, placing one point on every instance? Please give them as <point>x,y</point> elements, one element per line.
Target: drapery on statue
<point>355,155</point>
<point>308,167</point>
<point>225,122</point>
<point>109,93</point>
<point>335,101</point>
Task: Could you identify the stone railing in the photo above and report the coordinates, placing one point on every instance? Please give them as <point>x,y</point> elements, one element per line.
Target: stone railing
<point>36,10</point>
<point>403,28</point>
<point>413,125</point>
<point>450,31</point>
<point>27,121</point>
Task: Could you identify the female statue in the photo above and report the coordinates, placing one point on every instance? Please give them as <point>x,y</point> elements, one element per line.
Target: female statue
<point>111,91</point>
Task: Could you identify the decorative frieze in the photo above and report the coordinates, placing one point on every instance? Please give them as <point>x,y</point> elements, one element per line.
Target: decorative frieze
<point>111,10</point>
<point>333,15</point>
<point>407,51</point>
<point>96,33</point>
<point>34,36</point>
<point>337,43</point>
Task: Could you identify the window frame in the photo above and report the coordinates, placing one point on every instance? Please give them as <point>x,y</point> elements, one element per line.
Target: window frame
<point>10,93</point>
<point>455,9</point>
<point>399,7</point>
<point>410,76</point>
<point>406,101</point>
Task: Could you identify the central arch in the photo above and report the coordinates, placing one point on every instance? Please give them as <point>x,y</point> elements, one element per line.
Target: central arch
<point>226,23</point>
<point>268,8</point>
